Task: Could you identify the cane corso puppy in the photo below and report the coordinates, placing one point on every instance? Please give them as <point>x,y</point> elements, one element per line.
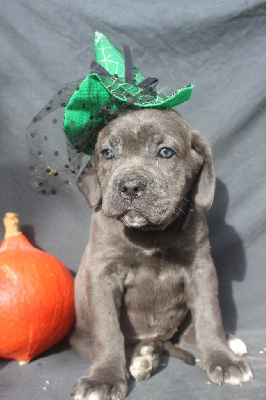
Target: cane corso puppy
<point>148,265</point>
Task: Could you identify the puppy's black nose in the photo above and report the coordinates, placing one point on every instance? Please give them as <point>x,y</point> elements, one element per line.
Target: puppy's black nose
<point>130,189</point>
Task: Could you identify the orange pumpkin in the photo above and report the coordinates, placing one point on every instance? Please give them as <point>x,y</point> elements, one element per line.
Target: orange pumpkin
<point>36,297</point>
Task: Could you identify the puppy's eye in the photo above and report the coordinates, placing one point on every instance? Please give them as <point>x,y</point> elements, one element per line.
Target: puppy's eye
<point>108,154</point>
<point>166,153</point>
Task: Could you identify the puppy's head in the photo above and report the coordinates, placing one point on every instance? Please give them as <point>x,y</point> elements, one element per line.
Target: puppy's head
<point>147,164</point>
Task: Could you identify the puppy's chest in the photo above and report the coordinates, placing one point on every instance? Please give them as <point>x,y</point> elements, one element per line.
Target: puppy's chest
<point>154,277</point>
<point>154,301</point>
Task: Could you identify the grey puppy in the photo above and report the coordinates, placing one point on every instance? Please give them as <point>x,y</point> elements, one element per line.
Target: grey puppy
<point>148,265</point>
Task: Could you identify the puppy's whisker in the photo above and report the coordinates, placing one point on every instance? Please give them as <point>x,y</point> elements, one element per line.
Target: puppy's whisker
<point>180,209</point>
<point>183,198</point>
<point>177,213</point>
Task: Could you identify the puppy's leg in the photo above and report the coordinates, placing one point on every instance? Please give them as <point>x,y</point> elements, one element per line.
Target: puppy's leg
<point>106,378</point>
<point>188,337</point>
<point>216,358</point>
<point>145,359</point>
<point>80,341</point>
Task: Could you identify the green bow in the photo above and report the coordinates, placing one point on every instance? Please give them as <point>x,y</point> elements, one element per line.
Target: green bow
<point>108,90</point>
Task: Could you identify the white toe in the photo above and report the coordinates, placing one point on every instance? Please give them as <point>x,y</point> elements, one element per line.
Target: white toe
<point>232,380</point>
<point>146,350</point>
<point>237,346</point>
<point>247,376</point>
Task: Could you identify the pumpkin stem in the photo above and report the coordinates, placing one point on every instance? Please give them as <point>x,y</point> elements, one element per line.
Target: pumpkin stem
<point>11,224</point>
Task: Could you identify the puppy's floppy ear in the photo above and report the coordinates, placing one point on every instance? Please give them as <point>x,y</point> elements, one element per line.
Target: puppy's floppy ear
<point>204,186</point>
<point>89,185</point>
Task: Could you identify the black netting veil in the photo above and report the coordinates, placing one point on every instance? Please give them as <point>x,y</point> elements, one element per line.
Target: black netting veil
<point>53,162</point>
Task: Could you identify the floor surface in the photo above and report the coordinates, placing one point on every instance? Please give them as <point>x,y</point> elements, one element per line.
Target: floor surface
<point>52,375</point>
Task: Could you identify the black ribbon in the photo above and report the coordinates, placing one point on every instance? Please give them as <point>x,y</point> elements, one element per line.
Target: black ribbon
<point>96,67</point>
<point>129,71</point>
<point>148,83</point>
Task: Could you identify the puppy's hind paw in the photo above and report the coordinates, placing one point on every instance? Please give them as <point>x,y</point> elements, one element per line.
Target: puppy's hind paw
<point>144,363</point>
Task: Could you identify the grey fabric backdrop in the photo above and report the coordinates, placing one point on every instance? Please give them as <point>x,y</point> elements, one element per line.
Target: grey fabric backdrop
<point>219,46</point>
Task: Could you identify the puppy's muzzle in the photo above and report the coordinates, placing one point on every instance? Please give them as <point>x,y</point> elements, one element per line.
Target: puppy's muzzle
<point>131,188</point>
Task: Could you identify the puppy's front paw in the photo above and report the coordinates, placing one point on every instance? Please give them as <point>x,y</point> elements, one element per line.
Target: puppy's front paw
<point>88,388</point>
<point>224,367</point>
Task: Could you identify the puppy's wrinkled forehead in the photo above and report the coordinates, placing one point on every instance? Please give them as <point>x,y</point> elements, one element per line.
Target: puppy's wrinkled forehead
<point>145,128</point>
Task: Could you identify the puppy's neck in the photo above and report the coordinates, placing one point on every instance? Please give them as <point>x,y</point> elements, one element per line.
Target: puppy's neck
<point>173,234</point>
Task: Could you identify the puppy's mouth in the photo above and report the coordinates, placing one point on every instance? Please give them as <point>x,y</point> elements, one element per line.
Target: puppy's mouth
<point>134,219</point>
